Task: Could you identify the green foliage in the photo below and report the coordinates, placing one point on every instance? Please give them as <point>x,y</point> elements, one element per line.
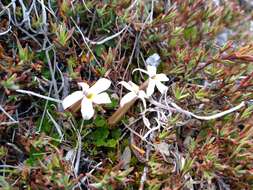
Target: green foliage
<point>72,63</point>
<point>3,152</point>
<point>191,33</point>
<point>99,49</point>
<point>63,34</point>
<point>247,112</point>
<point>10,83</point>
<point>112,179</point>
<point>180,93</point>
<point>201,94</point>
<point>4,184</point>
<point>25,54</point>
<point>102,136</point>
<point>114,103</point>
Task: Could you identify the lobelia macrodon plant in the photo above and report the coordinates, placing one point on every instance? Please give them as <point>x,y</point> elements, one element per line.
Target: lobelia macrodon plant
<point>96,95</point>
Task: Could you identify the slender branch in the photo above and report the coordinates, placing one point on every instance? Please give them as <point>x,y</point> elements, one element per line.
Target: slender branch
<point>7,114</point>
<point>106,39</point>
<point>39,95</point>
<point>215,116</point>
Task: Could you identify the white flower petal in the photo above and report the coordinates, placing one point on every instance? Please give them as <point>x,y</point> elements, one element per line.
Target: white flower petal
<point>151,87</point>
<point>146,121</point>
<point>126,85</point>
<point>142,95</point>
<point>141,70</point>
<point>87,109</point>
<point>84,86</point>
<point>101,85</point>
<point>102,98</point>
<point>72,99</point>
<point>135,87</point>
<point>161,87</point>
<point>151,70</point>
<point>161,77</point>
<point>127,98</point>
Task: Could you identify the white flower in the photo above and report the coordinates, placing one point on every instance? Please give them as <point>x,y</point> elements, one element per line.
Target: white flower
<point>154,80</point>
<point>135,92</point>
<point>89,95</point>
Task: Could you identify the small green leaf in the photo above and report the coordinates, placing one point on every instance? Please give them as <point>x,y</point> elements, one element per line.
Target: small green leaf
<point>101,133</point>
<point>114,104</point>
<point>201,94</point>
<point>102,71</point>
<point>179,93</point>
<point>111,143</point>
<point>116,133</point>
<point>247,112</point>
<point>99,49</point>
<point>191,33</point>
<point>10,83</point>
<point>100,122</point>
